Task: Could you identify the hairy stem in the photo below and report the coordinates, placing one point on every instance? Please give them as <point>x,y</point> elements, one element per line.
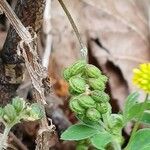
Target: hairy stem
<point>116,145</point>
<point>82,45</point>
<point>3,141</point>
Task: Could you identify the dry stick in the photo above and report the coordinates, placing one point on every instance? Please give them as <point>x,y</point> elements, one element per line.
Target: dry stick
<point>83,50</point>
<point>28,40</point>
<point>46,30</point>
<point>18,142</point>
<point>15,21</point>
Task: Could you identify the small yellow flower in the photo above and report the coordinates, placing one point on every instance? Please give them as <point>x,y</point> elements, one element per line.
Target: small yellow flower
<point>141,77</point>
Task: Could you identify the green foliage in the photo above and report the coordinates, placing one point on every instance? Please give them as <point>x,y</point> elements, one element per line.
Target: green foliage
<point>17,111</point>
<point>141,140</point>
<point>78,132</point>
<point>131,100</point>
<point>101,140</point>
<point>91,106</point>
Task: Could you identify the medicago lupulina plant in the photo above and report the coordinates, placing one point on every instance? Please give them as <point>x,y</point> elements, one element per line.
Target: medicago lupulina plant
<point>98,126</point>
<point>15,112</point>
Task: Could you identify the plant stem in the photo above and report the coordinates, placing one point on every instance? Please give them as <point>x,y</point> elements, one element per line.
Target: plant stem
<point>3,141</point>
<point>136,126</point>
<point>116,145</point>
<point>83,47</point>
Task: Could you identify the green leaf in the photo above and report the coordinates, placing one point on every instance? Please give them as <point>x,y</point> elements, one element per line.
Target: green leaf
<point>101,140</point>
<point>131,100</point>
<point>141,140</point>
<point>134,111</point>
<point>146,117</point>
<point>78,132</point>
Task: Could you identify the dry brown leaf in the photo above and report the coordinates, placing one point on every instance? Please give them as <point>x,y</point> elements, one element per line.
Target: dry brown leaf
<point>117,33</point>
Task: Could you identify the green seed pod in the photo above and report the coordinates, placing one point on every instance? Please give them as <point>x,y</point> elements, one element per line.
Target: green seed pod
<point>102,108</point>
<point>67,74</point>
<point>36,112</point>
<point>104,78</point>
<point>93,114</point>
<point>86,101</point>
<point>18,103</point>
<point>75,107</point>
<point>77,85</point>
<point>10,112</point>
<point>72,92</point>
<point>96,84</point>
<point>77,67</point>
<point>1,112</point>
<point>116,120</point>
<point>99,96</point>
<point>92,71</point>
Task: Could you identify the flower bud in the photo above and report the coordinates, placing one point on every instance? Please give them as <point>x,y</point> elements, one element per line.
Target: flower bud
<point>99,96</point>
<point>96,84</point>
<point>93,115</point>
<point>10,112</point>
<point>92,71</point>
<point>77,67</point>
<point>75,107</point>
<point>102,108</point>
<point>86,101</point>
<point>77,85</point>
<point>18,103</point>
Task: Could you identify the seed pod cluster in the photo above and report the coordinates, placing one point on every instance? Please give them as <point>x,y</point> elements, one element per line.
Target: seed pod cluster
<point>86,86</point>
<point>18,110</point>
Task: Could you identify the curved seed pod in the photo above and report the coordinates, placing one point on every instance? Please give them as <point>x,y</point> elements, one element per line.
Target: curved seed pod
<point>100,96</point>
<point>104,78</point>
<point>67,74</point>
<point>116,120</point>
<point>18,103</point>
<point>75,107</point>
<point>102,108</point>
<point>86,101</point>
<point>92,71</point>
<point>77,67</point>
<point>10,112</point>
<point>77,85</point>
<point>72,92</point>
<point>93,114</point>
<point>36,112</point>
<point>96,84</point>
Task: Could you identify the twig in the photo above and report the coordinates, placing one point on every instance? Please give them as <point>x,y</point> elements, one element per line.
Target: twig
<point>18,142</point>
<point>28,49</point>
<point>47,29</point>
<point>16,23</point>
<point>83,50</point>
